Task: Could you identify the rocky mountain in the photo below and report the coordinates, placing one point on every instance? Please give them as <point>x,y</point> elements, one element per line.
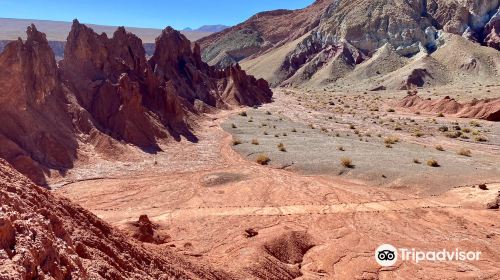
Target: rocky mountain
<point>338,41</point>
<point>106,88</point>
<point>207,28</point>
<point>43,236</point>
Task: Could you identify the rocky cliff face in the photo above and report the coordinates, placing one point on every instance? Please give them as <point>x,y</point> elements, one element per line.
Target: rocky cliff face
<point>106,86</point>
<point>43,236</point>
<point>361,26</point>
<point>36,131</point>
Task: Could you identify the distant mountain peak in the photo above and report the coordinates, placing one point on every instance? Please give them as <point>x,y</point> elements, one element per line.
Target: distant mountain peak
<point>208,28</point>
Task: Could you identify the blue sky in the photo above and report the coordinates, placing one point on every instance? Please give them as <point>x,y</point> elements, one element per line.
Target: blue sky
<point>156,14</point>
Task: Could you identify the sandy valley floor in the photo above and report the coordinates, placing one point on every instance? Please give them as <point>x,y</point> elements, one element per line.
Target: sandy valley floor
<point>315,218</point>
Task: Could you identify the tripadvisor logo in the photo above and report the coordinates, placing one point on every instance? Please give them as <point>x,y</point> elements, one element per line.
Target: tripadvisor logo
<point>388,255</point>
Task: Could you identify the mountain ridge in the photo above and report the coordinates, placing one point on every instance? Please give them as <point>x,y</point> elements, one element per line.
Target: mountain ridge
<point>326,41</point>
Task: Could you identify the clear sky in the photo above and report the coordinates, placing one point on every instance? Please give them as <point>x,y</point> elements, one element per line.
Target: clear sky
<point>156,14</point>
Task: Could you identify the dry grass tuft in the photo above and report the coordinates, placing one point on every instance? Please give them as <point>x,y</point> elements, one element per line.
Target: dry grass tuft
<point>346,162</point>
<point>433,163</point>
<point>281,147</point>
<point>464,152</point>
<point>262,159</point>
<point>391,140</point>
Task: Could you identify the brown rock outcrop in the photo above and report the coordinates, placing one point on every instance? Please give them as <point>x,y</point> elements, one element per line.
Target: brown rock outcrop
<point>43,236</point>
<point>36,131</point>
<point>487,109</point>
<point>145,231</point>
<point>416,78</point>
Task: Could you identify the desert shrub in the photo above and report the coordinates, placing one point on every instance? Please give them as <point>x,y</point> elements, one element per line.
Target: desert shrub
<point>294,130</point>
<point>418,134</point>
<point>233,125</point>
<point>255,142</point>
<point>454,134</point>
<point>480,139</point>
<point>440,115</point>
<point>439,148</point>
<point>464,152</point>
<point>341,149</point>
<point>262,159</point>
<point>237,142</point>
<point>474,124</point>
<point>268,113</point>
<point>243,114</point>
<point>391,140</point>
<point>265,133</point>
<point>432,163</point>
<point>443,128</point>
<point>391,110</point>
<point>346,162</point>
<point>416,161</point>
<point>466,130</point>
<point>281,147</point>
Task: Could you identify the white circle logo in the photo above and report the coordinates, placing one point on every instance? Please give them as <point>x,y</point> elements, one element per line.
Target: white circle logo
<point>386,255</point>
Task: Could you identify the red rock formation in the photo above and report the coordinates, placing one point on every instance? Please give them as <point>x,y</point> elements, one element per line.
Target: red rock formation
<point>183,71</point>
<point>487,109</point>
<point>36,131</point>
<point>106,86</point>
<point>43,236</point>
<point>111,79</point>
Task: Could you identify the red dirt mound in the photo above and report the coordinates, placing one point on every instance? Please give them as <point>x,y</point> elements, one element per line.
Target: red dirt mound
<point>487,109</point>
<point>43,236</point>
